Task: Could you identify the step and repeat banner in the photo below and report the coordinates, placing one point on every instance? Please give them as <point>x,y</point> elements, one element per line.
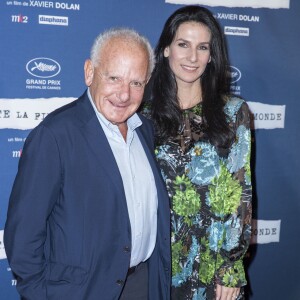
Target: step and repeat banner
<point>43,46</point>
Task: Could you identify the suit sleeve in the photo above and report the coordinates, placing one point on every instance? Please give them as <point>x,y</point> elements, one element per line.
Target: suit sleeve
<point>34,193</point>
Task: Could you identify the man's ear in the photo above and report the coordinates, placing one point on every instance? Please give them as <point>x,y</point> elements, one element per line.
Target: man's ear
<point>88,72</point>
<point>167,52</point>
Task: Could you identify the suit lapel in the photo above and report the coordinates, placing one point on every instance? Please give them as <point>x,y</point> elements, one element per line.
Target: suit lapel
<point>150,155</point>
<point>98,143</point>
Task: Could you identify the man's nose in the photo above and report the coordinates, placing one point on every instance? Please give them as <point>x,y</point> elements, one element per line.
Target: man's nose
<point>124,92</point>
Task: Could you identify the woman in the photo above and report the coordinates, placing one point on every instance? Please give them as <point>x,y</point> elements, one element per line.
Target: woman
<point>203,149</point>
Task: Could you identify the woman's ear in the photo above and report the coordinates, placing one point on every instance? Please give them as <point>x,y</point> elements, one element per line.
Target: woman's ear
<point>88,72</point>
<point>167,52</point>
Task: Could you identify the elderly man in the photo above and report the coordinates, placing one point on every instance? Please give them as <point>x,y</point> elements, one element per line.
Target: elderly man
<point>88,217</point>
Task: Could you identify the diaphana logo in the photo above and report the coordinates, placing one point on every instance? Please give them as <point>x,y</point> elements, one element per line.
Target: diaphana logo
<point>43,67</point>
<point>53,20</point>
<point>235,74</point>
<point>241,31</point>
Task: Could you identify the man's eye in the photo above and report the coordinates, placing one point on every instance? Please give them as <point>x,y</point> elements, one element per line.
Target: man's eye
<point>114,79</point>
<point>136,84</point>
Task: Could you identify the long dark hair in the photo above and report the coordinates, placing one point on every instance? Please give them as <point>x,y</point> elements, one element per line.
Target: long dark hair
<point>215,81</point>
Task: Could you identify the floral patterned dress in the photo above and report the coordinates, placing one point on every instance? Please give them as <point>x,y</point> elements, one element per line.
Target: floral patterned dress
<point>210,192</point>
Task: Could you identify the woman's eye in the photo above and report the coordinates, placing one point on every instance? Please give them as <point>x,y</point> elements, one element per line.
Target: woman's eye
<point>183,45</point>
<point>203,47</point>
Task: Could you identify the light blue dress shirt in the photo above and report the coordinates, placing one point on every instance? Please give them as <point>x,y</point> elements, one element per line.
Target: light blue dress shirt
<point>138,182</point>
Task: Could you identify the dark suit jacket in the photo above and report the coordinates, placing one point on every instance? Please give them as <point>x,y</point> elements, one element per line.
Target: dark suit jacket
<point>67,234</point>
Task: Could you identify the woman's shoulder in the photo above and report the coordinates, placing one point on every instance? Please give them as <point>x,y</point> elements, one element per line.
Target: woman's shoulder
<point>234,101</point>
<point>233,105</point>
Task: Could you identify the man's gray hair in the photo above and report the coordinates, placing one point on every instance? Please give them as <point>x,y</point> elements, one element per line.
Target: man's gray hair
<point>124,34</point>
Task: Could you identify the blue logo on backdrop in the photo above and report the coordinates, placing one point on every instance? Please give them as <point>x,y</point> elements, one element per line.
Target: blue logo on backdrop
<point>43,67</point>
<point>235,74</point>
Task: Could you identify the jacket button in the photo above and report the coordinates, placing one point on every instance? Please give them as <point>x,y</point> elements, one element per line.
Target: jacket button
<point>126,249</point>
<point>120,282</point>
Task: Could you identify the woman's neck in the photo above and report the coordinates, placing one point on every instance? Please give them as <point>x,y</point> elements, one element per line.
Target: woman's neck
<point>189,95</point>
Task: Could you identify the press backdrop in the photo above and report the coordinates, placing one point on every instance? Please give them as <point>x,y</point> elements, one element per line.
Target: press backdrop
<point>43,46</point>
